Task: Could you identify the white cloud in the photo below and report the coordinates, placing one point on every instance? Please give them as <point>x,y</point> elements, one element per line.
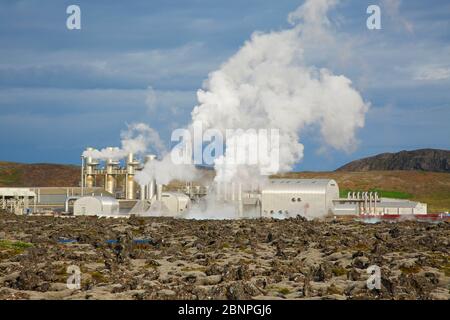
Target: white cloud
<point>433,74</point>
<point>394,12</point>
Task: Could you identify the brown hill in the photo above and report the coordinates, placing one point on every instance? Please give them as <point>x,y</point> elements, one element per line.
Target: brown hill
<point>423,159</point>
<point>38,175</point>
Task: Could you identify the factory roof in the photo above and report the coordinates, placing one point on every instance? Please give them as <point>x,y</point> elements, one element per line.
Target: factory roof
<point>298,185</point>
<point>104,200</point>
<point>396,203</point>
<point>70,190</point>
<point>16,192</point>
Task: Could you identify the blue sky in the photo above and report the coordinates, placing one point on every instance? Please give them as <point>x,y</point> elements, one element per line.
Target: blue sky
<point>62,90</point>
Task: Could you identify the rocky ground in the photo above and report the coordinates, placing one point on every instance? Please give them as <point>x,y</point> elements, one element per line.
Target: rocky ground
<point>164,258</point>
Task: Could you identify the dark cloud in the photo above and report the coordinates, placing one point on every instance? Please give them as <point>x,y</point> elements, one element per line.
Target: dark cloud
<point>61,90</point>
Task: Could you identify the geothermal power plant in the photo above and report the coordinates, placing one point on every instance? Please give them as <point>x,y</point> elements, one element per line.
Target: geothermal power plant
<point>108,188</point>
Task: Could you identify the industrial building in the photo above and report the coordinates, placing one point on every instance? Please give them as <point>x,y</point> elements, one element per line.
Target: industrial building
<point>108,188</point>
<point>44,199</point>
<point>305,197</point>
<point>17,200</point>
<point>310,198</point>
<point>95,205</point>
<point>116,179</point>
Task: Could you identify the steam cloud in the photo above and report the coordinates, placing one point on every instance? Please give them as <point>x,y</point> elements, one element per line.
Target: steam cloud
<point>268,85</point>
<point>138,139</point>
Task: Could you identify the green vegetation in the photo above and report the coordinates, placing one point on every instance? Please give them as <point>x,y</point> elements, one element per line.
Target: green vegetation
<point>333,290</point>
<point>226,245</point>
<point>410,270</point>
<point>446,270</point>
<point>339,271</point>
<point>190,269</point>
<point>381,193</point>
<point>284,291</point>
<point>98,277</point>
<point>16,246</point>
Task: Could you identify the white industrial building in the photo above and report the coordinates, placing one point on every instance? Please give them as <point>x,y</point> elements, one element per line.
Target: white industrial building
<point>96,206</point>
<point>175,202</point>
<point>292,197</point>
<point>106,185</point>
<point>368,203</point>
<point>169,204</point>
<point>17,200</point>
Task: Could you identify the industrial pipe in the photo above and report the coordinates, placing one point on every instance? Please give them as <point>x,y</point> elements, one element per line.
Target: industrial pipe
<point>66,203</point>
<point>159,192</point>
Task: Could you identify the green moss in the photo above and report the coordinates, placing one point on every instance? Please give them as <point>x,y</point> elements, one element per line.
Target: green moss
<point>333,290</point>
<point>446,270</point>
<point>225,245</point>
<point>16,246</point>
<point>410,270</point>
<point>360,247</point>
<point>98,277</point>
<point>187,269</point>
<point>338,271</point>
<point>284,291</point>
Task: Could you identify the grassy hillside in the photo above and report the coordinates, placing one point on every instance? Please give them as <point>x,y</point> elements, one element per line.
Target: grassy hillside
<point>430,187</point>
<point>38,175</point>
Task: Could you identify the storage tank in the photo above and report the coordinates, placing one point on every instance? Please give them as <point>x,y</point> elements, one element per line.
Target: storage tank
<point>90,167</point>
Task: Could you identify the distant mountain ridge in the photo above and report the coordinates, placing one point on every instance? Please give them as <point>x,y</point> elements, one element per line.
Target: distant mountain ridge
<point>434,160</point>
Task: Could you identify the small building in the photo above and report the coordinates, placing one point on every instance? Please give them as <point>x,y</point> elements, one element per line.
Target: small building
<point>172,204</point>
<point>383,206</point>
<point>400,207</point>
<point>175,203</point>
<point>284,198</point>
<point>96,206</point>
<point>17,200</point>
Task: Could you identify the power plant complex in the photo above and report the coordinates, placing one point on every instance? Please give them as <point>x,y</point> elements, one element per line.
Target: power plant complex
<point>108,188</point>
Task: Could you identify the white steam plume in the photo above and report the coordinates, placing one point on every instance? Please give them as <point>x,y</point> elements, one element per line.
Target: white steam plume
<point>268,85</point>
<point>138,139</point>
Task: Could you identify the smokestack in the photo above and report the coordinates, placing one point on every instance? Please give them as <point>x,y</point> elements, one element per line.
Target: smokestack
<point>159,192</point>
<point>151,186</point>
<point>225,191</point>
<point>142,193</point>
<point>131,165</point>
<point>239,196</point>
<point>233,192</point>
<point>218,190</point>
<point>110,180</point>
<point>151,190</point>
<point>90,165</point>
